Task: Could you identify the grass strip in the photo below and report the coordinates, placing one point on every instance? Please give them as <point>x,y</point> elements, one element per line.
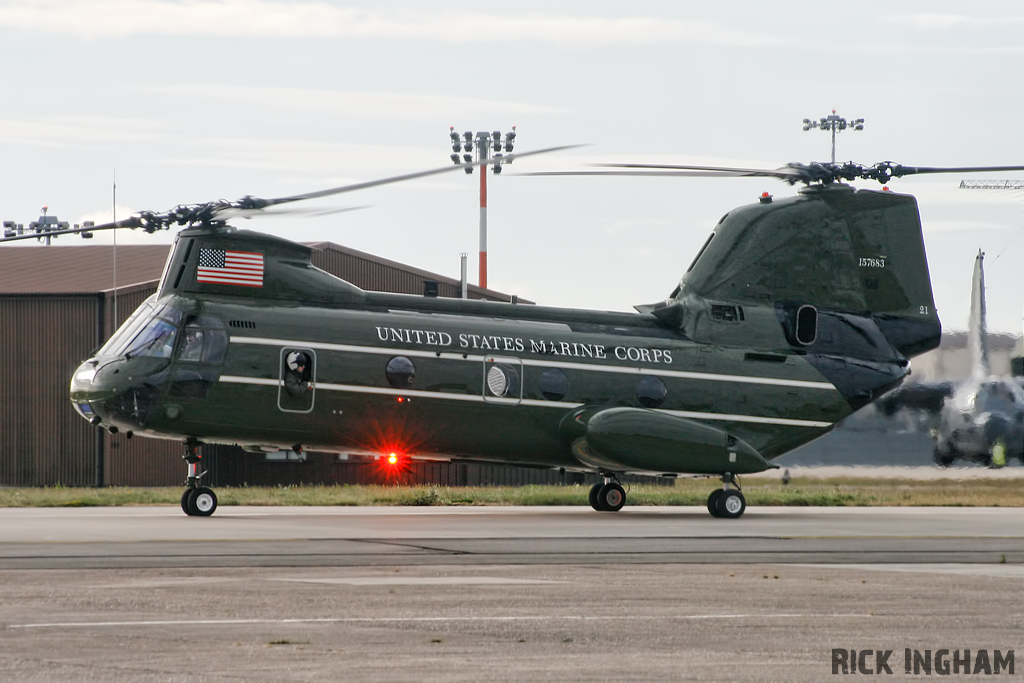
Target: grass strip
<point>840,491</point>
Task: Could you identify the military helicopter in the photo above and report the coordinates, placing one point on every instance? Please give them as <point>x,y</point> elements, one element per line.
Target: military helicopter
<point>793,314</point>
<point>979,420</point>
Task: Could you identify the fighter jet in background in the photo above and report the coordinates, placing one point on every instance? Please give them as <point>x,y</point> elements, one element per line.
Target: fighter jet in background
<point>979,420</point>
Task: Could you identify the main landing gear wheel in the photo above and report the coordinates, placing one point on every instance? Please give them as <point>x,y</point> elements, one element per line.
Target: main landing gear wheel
<point>200,502</point>
<point>610,497</point>
<point>727,503</point>
<point>184,501</point>
<point>731,504</point>
<point>592,497</point>
<point>713,502</point>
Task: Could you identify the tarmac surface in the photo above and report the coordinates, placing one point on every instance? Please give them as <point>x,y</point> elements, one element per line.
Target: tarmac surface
<point>499,594</point>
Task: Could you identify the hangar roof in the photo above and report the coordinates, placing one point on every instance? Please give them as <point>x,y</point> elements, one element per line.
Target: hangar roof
<point>78,269</point>
<point>88,269</point>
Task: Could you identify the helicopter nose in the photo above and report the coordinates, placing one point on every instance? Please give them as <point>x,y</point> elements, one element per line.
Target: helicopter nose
<point>118,393</point>
<point>85,397</point>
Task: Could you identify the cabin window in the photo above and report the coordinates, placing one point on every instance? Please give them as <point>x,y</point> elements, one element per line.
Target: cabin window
<point>806,325</point>
<point>502,380</point>
<point>651,391</point>
<point>553,384</point>
<point>298,373</point>
<point>400,372</point>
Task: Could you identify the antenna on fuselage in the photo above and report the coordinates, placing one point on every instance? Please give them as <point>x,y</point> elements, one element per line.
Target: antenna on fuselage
<point>114,206</point>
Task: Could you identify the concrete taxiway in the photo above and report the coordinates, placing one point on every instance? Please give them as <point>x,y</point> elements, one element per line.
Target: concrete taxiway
<point>161,537</point>
<point>471,594</point>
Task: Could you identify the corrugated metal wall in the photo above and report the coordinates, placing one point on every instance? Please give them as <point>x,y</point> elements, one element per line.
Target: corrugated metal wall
<point>230,466</point>
<point>42,440</point>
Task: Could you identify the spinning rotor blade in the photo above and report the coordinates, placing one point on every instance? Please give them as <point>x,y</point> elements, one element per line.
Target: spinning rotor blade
<point>712,171</point>
<point>919,170</point>
<point>508,158</point>
<point>217,212</point>
<point>229,213</point>
<point>815,172</point>
<point>133,222</point>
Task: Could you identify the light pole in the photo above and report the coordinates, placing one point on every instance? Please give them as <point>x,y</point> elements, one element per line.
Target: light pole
<point>834,123</point>
<point>486,144</point>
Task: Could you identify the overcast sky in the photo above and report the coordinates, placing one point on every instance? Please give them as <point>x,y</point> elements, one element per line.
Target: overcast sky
<point>193,100</point>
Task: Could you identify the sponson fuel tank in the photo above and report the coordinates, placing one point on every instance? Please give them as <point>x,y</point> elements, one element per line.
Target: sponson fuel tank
<point>640,440</point>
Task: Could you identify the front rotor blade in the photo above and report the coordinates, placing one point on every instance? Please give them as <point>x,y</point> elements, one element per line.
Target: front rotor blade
<point>259,203</point>
<point>132,222</point>
<point>231,212</point>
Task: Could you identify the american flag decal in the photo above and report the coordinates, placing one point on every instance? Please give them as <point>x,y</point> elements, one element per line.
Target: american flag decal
<point>222,267</point>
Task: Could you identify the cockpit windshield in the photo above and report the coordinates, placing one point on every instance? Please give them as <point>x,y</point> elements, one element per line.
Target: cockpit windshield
<point>150,331</point>
<point>995,397</point>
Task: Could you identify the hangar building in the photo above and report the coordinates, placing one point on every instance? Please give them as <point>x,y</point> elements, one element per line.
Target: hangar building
<point>58,304</point>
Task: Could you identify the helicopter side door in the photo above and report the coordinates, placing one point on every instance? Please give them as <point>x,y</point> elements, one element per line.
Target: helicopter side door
<point>297,389</point>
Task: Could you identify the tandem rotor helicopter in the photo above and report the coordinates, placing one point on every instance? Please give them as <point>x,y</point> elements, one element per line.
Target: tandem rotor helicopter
<point>795,313</point>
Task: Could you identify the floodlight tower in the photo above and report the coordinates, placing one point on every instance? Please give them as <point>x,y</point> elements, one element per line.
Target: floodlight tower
<point>486,144</point>
<point>834,123</point>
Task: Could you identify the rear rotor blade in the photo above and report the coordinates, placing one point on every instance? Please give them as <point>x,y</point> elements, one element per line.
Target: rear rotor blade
<point>784,172</point>
<point>900,170</point>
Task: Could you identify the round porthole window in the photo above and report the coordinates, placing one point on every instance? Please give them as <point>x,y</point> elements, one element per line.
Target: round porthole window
<point>400,372</point>
<point>651,391</point>
<point>553,384</point>
<point>502,381</point>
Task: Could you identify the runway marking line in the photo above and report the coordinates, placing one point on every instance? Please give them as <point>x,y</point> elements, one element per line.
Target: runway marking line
<point>386,620</point>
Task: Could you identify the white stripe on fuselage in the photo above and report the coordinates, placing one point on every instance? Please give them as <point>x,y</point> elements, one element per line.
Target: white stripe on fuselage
<point>478,398</point>
<point>545,363</point>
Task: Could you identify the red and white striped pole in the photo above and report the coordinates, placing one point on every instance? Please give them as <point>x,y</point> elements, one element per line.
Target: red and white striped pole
<point>483,216</point>
<point>485,144</point>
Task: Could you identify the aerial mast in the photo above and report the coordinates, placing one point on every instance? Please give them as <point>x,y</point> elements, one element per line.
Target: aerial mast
<point>486,143</point>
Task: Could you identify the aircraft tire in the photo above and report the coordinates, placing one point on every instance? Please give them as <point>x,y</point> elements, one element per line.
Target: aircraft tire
<point>593,497</point>
<point>611,497</point>
<point>731,504</point>
<point>202,502</point>
<point>713,502</point>
<point>184,502</point>
<point>943,458</point>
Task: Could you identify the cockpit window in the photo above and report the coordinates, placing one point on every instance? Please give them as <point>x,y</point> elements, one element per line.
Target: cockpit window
<point>149,332</point>
<point>205,340</point>
<point>995,398</point>
<point>156,340</point>
<point>129,328</point>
